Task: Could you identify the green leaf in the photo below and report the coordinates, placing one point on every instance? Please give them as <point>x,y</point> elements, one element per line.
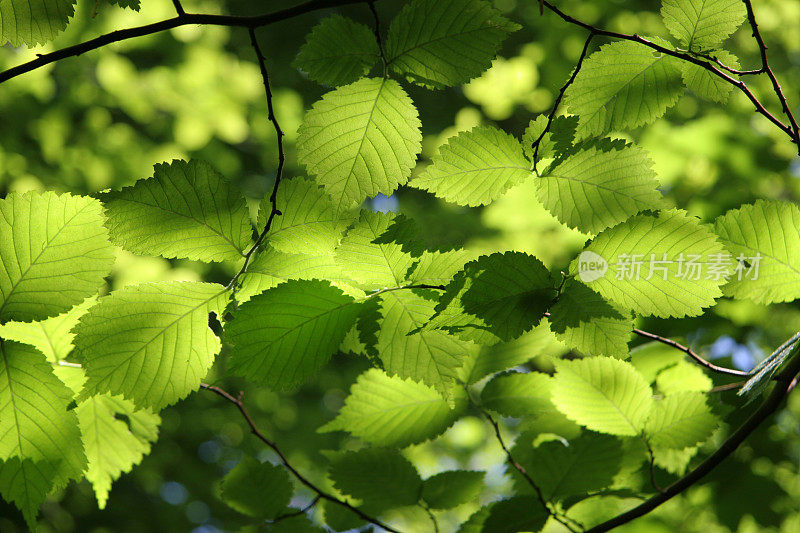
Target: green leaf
<point>683,376</point>
<point>595,188</point>
<point>452,488</point>
<point>702,24</point>
<point>54,251</point>
<point>680,420</point>
<point>285,335</point>
<point>475,167</point>
<point>441,43</point>
<point>338,51</point>
<point>562,469</point>
<point>431,356</point>
<point>360,140</point>
<point>558,140</point>
<point>371,260</point>
<point>503,294</point>
<point>33,22</point>
<point>260,490</point>
<point>387,410</point>
<point>186,210</point>
<point>603,394</point>
<point>151,342</point>
<point>270,268</point>
<point>583,320</point>
<point>52,336</point>
<point>379,477</point>
<point>683,259</point>
<point>705,84</point>
<point>764,240</point>
<point>438,268</point>
<point>132,4</point>
<point>518,395</point>
<point>520,513</point>
<point>505,355</point>
<point>653,357</point>
<point>117,436</point>
<point>309,222</point>
<point>26,484</point>
<point>35,424</point>
<point>622,86</point>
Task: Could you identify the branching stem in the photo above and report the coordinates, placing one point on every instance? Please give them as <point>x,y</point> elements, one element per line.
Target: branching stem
<point>300,477</point>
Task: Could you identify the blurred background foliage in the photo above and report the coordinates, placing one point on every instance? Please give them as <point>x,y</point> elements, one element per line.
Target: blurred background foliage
<point>103,119</point>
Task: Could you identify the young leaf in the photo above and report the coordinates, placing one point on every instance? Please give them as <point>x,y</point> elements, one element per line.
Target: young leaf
<point>309,222</point>
<point>430,356</point>
<point>475,167</point>
<point>185,210</point>
<point>52,336</point>
<point>603,394</point>
<point>583,320</point>
<point>653,357</point>
<point>702,24</point>
<point>452,488</point>
<point>705,84</point>
<point>683,376</point>
<point>371,260</point>
<point>360,140</point>
<point>379,477</point>
<point>623,85</point>
<point>662,264</point>
<point>338,51</point>
<point>390,411</point>
<point>503,294</point>
<point>54,251</point>
<point>35,424</point>
<point>586,463</point>
<point>114,446</point>
<point>764,239</point>
<point>260,490</point>
<point>285,335</point>
<point>441,43</point>
<point>680,420</point>
<point>595,188</point>
<point>151,342</point>
<point>518,395</point>
<point>33,22</point>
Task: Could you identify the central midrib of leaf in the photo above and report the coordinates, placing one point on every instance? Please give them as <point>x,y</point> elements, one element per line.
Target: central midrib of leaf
<point>442,38</point>
<point>610,401</point>
<point>350,174</point>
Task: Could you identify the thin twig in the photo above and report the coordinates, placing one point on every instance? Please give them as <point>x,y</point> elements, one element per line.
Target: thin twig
<point>722,65</point>
<point>299,512</point>
<point>762,47</point>
<point>786,381</point>
<point>727,387</point>
<point>300,477</point>
<point>273,198</point>
<point>686,57</point>
<point>688,351</point>
<point>652,462</point>
<point>377,31</point>
<point>560,97</point>
<point>178,8</point>
<point>116,36</point>
<point>521,469</point>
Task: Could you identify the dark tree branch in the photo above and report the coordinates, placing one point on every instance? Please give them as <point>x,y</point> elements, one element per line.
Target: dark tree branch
<point>785,382</point>
<point>273,198</point>
<point>181,20</point>
<point>300,477</point>
<point>686,57</point>
<point>553,111</point>
<point>178,7</point>
<point>762,47</point>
